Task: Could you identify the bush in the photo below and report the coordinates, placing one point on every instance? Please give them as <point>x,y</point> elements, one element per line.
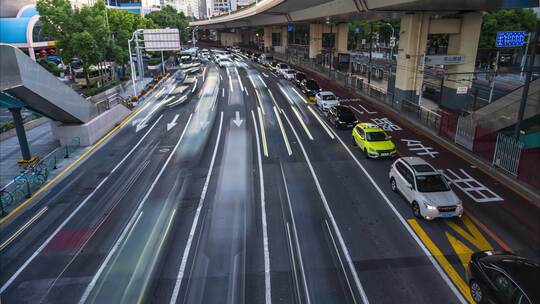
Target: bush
<point>154,61</point>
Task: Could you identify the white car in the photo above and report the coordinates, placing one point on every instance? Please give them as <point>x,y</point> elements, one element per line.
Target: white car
<point>326,100</point>
<point>224,62</point>
<point>280,67</point>
<point>426,189</point>
<point>288,74</point>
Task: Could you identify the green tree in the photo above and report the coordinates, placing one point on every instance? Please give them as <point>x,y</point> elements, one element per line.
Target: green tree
<point>78,33</point>
<point>505,20</point>
<point>122,24</point>
<point>170,17</point>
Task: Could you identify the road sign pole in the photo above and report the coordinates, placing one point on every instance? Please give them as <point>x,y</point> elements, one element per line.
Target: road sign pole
<point>530,64</point>
<point>133,78</point>
<point>523,59</point>
<point>494,77</point>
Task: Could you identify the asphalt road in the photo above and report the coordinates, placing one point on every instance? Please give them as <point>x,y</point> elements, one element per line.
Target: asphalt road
<point>241,194</point>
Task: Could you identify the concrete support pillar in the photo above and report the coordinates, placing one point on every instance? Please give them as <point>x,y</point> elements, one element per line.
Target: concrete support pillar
<point>315,39</point>
<point>284,36</point>
<point>267,38</point>
<point>411,51</point>
<point>21,133</point>
<point>464,43</point>
<point>342,37</point>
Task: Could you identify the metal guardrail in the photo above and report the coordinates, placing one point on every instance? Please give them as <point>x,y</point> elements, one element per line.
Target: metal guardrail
<point>413,111</point>
<point>30,180</point>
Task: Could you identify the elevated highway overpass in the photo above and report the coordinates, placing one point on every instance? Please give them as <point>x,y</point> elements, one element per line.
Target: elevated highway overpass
<point>274,12</point>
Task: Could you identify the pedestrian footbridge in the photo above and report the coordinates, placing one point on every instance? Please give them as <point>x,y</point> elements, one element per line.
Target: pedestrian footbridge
<point>24,83</point>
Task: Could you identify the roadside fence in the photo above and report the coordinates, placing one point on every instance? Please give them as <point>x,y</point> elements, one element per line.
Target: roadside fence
<point>33,177</point>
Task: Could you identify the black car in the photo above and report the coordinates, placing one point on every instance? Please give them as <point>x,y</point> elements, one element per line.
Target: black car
<point>298,78</point>
<point>503,277</point>
<point>341,117</point>
<point>310,88</point>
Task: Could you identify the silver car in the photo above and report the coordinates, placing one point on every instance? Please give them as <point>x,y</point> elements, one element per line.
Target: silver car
<point>425,188</point>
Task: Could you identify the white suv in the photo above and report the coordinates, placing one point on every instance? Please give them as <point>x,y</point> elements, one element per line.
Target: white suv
<point>425,188</point>
<point>326,100</point>
<point>288,74</point>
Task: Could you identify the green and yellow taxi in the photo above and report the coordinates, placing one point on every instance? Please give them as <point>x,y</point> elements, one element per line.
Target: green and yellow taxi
<point>373,140</point>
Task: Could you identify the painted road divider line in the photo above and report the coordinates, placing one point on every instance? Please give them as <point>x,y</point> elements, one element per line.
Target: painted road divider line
<point>259,101</point>
<point>325,127</point>
<point>23,228</point>
<point>274,99</point>
<point>300,95</point>
<point>405,224</point>
<point>298,249</point>
<point>266,250</point>
<point>283,133</point>
<point>113,250</point>
<point>441,259</point>
<point>335,226</point>
<point>239,79</point>
<point>302,122</point>
<point>72,214</point>
<point>187,249</point>
<point>340,260</point>
<point>263,132</point>
<point>264,83</point>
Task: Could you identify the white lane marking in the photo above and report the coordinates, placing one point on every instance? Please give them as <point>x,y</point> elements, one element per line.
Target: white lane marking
<point>418,148</point>
<point>265,75</point>
<point>222,92</point>
<point>471,187</point>
<point>350,263</point>
<point>366,110</point>
<point>194,85</point>
<point>295,272</point>
<point>405,224</point>
<point>302,122</point>
<point>300,95</point>
<point>340,260</point>
<point>113,250</point>
<point>72,214</point>
<point>266,250</point>
<point>263,132</point>
<point>325,127</point>
<point>230,80</point>
<point>264,83</point>
<point>239,79</point>
<point>173,123</point>
<point>220,77</point>
<point>356,110</point>
<point>23,227</point>
<point>172,89</point>
<point>246,91</point>
<point>386,124</point>
<point>301,262</point>
<point>289,99</point>
<point>189,242</point>
<point>274,99</point>
<point>285,139</point>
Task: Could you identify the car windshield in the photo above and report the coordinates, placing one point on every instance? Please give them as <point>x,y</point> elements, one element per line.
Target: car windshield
<point>328,97</point>
<point>289,72</point>
<point>431,183</point>
<point>283,66</point>
<point>376,136</point>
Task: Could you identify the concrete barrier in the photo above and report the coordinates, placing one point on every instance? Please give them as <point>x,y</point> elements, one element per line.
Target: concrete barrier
<point>92,131</point>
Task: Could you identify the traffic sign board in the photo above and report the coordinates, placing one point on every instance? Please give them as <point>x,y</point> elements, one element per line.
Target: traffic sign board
<point>510,39</point>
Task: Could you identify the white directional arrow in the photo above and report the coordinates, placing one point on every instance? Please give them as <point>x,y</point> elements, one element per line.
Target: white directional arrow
<point>173,122</point>
<point>237,121</point>
<point>140,127</point>
<point>136,121</point>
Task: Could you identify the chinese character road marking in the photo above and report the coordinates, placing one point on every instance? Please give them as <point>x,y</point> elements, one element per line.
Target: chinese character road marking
<point>471,187</point>
<point>418,148</point>
<point>386,124</point>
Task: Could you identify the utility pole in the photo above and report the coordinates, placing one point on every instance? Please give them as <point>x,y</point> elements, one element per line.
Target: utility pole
<point>492,84</point>
<point>370,53</point>
<point>530,64</point>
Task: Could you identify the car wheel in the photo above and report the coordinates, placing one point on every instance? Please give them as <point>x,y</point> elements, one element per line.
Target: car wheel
<point>366,153</point>
<point>393,184</point>
<point>416,210</point>
<point>476,292</point>
<point>353,141</point>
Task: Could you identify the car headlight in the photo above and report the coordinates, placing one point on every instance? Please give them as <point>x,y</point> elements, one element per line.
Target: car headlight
<point>372,150</point>
<point>459,205</point>
<point>430,207</point>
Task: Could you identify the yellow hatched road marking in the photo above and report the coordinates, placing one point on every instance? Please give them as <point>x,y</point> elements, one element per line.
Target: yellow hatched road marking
<point>473,235</point>
<point>441,259</point>
<point>463,252</point>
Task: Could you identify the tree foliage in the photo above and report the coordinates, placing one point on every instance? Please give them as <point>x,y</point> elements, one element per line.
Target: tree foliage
<point>168,16</point>
<point>505,20</point>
